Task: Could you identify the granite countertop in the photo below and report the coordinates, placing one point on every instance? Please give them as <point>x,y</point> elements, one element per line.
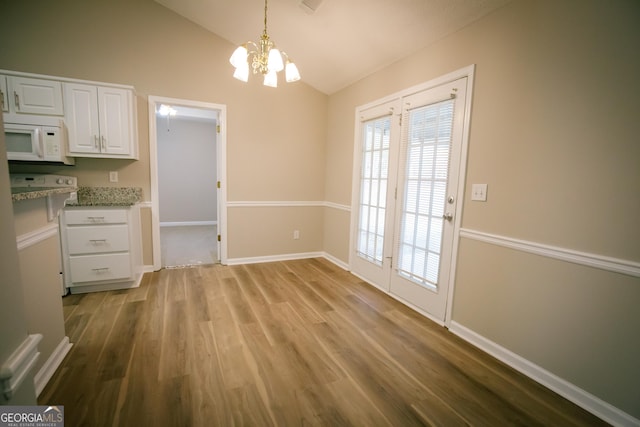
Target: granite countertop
<point>107,196</point>
<point>28,193</point>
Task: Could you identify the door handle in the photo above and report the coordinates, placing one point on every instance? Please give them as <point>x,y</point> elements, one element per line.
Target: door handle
<point>448,216</point>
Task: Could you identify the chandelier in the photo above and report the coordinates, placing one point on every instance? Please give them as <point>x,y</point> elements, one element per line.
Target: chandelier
<point>265,58</point>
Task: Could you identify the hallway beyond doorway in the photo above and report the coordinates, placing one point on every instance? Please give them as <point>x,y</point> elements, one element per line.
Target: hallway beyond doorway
<point>188,245</point>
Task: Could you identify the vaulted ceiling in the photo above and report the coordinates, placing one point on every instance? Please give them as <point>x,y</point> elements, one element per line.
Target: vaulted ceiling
<point>341,41</point>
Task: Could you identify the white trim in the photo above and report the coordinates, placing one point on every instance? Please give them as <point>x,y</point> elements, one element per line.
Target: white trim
<point>111,286</point>
<point>580,397</point>
<point>338,206</point>
<point>187,223</point>
<point>147,269</point>
<point>467,72</point>
<point>403,301</point>
<point>286,204</point>
<point>274,258</point>
<point>615,265</point>
<point>146,204</point>
<point>444,79</point>
<point>63,79</point>
<point>289,257</point>
<point>274,203</point>
<point>221,171</point>
<point>336,261</point>
<point>23,241</point>
<point>47,370</point>
<point>15,369</point>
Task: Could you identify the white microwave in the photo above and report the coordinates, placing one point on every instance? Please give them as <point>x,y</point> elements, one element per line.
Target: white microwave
<point>36,139</point>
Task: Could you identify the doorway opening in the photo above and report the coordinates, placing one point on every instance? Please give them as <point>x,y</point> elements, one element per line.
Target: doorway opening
<point>187,158</point>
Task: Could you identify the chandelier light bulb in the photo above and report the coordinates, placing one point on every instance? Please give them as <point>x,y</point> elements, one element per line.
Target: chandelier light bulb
<point>242,72</point>
<point>291,72</point>
<point>271,79</point>
<point>239,56</point>
<point>275,60</point>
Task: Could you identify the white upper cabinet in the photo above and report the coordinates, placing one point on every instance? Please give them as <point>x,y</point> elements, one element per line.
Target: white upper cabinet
<point>4,100</point>
<point>35,96</point>
<point>101,121</point>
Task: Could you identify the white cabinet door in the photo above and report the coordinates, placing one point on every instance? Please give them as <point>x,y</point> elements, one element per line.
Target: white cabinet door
<point>101,121</point>
<point>4,101</point>
<point>81,117</point>
<point>35,96</point>
<point>115,120</point>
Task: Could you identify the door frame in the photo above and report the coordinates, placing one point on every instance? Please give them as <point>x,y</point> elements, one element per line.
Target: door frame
<point>221,164</point>
<point>467,72</point>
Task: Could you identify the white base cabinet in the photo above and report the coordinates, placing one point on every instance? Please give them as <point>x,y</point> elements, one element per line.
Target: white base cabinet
<point>101,248</point>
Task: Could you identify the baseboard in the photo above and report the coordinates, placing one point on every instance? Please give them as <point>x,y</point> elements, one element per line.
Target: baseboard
<point>273,258</point>
<point>47,370</point>
<point>110,286</point>
<point>17,367</point>
<point>147,269</point>
<point>343,265</point>
<point>580,397</point>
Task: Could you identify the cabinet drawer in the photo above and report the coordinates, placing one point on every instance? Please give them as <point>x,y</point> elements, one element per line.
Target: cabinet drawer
<point>98,238</point>
<point>95,216</point>
<point>91,268</point>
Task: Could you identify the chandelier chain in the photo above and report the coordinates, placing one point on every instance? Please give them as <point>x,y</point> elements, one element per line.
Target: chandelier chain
<point>265,17</point>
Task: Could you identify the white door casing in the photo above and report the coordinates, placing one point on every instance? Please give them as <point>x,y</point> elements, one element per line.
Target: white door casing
<point>154,103</point>
<point>427,196</point>
<point>421,210</point>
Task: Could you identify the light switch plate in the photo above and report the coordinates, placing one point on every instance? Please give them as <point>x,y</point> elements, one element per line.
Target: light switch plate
<point>113,176</point>
<point>479,192</point>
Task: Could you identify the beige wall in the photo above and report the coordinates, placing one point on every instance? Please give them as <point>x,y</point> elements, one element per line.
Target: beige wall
<point>275,138</point>
<point>554,133</point>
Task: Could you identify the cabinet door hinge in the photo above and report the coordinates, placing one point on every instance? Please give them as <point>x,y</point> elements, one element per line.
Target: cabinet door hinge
<point>218,128</point>
<point>219,238</point>
<point>218,184</point>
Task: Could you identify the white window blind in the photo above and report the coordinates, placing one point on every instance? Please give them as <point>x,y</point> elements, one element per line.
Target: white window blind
<point>373,189</point>
<point>426,144</point>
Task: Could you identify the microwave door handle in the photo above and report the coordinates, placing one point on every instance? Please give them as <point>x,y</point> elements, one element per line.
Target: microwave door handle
<point>39,144</point>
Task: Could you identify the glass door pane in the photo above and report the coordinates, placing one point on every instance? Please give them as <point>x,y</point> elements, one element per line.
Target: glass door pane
<point>425,189</point>
<point>374,175</point>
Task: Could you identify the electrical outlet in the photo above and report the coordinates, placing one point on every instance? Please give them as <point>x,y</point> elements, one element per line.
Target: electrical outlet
<point>296,234</point>
<point>479,192</point>
<point>113,176</point>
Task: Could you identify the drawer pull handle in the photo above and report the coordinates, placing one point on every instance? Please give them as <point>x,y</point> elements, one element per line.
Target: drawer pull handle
<point>94,241</point>
<point>95,218</point>
<point>100,270</point>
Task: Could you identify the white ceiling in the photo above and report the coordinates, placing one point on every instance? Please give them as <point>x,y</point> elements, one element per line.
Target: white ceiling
<point>343,40</point>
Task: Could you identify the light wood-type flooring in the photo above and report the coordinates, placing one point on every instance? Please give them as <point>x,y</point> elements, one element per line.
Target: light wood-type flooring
<point>296,343</point>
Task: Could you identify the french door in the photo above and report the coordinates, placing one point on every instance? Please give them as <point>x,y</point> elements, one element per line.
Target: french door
<point>406,179</point>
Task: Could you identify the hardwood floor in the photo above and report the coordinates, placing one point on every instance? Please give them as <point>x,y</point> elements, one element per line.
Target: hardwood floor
<point>280,344</point>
